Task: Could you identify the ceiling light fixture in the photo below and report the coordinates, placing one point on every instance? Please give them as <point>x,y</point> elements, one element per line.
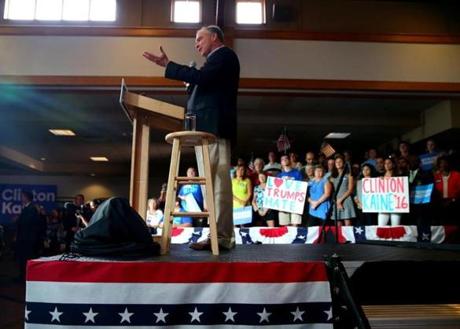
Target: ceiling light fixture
<point>62,132</point>
<point>336,135</point>
<point>99,159</point>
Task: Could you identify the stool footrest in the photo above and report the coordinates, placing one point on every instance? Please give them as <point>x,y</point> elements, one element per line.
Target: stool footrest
<point>190,214</point>
<point>190,180</point>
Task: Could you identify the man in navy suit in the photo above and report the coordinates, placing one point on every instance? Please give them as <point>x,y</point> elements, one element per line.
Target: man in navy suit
<point>212,99</point>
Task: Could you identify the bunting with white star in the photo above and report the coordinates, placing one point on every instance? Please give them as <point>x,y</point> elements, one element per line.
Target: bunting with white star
<point>91,294</point>
<point>310,235</point>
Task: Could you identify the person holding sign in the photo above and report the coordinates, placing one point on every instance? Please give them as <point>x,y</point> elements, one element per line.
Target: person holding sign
<point>344,184</point>
<point>421,190</point>
<point>365,218</point>
<point>265,214</point>
<point>384,218</point>
<point>286,218</point>
<point>319,190</point>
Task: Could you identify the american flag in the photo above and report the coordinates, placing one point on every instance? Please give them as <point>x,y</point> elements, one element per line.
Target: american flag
<point>283,143</point>
<point>96,294</point>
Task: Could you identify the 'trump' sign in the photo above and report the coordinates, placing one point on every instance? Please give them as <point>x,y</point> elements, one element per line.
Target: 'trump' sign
<point>385,194</point>
<point>285,195</point>
<point>10,199</point>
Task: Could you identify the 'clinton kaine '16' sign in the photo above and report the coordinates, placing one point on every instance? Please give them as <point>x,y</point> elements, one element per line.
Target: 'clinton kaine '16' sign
<point>385,194</point>
<point>285,195</point>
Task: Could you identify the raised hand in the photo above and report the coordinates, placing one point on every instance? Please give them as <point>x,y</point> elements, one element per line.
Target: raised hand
<point>161,60</point>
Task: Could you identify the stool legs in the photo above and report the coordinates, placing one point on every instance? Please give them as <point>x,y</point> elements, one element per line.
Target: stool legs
<point>210,199</point>
<point>170,197</point>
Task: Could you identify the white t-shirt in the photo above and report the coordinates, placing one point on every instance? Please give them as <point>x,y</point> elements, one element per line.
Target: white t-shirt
<point>154,219</point>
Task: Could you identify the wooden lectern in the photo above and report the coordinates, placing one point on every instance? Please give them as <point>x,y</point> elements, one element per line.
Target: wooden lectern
<point>145,113</point>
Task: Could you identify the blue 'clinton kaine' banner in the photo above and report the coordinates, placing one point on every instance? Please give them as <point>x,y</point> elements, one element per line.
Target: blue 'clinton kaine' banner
<point>10,199</point>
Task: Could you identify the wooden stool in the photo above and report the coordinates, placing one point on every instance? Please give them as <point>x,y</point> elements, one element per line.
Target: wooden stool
<point>189,138</point>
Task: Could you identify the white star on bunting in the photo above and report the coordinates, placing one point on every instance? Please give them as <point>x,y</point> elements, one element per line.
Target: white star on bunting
<point>229,315</point>
<point>297,315</point>
<point>26,315</point>
<point>264,316</point>
<point>55,315</point>
<point>329,314</point>
<point>90,315</point>
<point>125,316</point>
<point>195,315</point>
<point>161,316</point>
<point>359,230</point>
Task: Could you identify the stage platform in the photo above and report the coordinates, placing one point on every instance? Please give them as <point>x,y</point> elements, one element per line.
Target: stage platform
<point>316,252</point>
<point>275,286</point>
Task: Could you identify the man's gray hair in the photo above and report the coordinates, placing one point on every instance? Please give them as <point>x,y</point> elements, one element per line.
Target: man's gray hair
<point>217,30</point>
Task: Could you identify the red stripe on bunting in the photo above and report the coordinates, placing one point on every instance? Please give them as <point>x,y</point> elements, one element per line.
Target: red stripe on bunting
<point>179,272</point>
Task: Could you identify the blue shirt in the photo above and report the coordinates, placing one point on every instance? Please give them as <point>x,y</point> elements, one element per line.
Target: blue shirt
<point>292,174</point>
<point>195,190</point>
<point>427,160</point>
<point>316,190</point>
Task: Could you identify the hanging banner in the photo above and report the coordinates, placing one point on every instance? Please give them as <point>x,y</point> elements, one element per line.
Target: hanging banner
<point>10,199</point>
<point>286,195</point>
<point>385,194</point>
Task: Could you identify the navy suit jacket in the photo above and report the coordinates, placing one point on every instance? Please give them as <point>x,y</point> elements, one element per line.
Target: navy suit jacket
<point>213,92</point>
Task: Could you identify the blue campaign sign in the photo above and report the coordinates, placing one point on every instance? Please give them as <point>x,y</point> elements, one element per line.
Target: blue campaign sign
<point>421,194</point>
<point>10,199</point>
<point>242,215</point>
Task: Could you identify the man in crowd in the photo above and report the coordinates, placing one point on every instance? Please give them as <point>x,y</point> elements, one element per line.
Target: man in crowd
<point>213,92</point>
<point>428,159</point>
<point>380,166</point>
<point>72,221</point>
<point>272,168</point>
<point>285,218</point>
<point>30,234</point>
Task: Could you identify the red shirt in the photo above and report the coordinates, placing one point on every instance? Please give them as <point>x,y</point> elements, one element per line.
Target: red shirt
<point>453,184</point>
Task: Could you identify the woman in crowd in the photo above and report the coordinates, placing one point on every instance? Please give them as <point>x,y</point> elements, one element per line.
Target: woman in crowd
<point>241,188</point>
<point>383,218</point>
<point>367,171</point>
<point>309,172</point>
<point>258,169</point>
<point>154,216</point>
<point>319,193</point>
<point>262,214</point>
<point>344,184</point>
<point>295,163</point>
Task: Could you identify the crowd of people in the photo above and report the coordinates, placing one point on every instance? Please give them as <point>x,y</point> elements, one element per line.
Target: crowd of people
<point>334,188</point>
<point>39,233</point>
<point>333,194</point>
